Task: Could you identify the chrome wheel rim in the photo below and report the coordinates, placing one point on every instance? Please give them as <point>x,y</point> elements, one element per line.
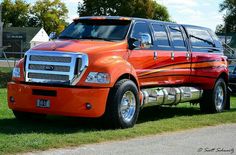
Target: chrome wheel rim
<point>128,106</point>
<point>219,98</point>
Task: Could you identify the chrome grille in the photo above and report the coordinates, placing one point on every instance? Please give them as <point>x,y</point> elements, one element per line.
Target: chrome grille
<point>49,76</point>
<point>48,67</point>
<point>50,58</point>
<point>55,67</point>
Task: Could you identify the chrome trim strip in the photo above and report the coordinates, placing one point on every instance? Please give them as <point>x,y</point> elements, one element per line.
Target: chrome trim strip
<point>46,72</point>
<point>52,63</point>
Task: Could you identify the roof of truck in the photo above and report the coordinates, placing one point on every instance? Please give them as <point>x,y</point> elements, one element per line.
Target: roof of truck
<point>132,18</point>
<point>118,18</point>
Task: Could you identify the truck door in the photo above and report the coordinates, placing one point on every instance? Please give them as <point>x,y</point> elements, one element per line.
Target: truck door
<point>207,56</point>
<point>142,58</point>
<point>180,56</point>
<point>162,70</point>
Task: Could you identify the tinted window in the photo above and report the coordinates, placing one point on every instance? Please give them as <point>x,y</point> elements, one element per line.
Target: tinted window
<point>200,38</point>
<point>217,41</point>
<point>139,29</point>
<point>177,37</point>
<point>96,29</point>
<point>161,36</point>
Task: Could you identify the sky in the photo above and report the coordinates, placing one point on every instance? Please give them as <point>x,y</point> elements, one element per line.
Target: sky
<point>196,12</point>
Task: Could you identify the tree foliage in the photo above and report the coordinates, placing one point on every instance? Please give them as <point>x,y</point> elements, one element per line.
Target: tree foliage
<point>50,14</point>
<point>230,17</point>
<point>15,13</point>
<point>131,8</point>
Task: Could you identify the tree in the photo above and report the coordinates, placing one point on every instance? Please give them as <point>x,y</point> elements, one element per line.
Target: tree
<point>161,13</point>
<point>50,14</point>
<point>132,8</point>
<point>220,29</point>
<point>230,17</point>
<point>15,13</point>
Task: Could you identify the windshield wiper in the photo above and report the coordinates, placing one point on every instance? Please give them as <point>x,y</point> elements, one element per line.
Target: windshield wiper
<point>92,37</point>
<point>207,41</point>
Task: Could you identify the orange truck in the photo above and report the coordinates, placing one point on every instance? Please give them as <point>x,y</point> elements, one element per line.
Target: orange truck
<point>111,67</point>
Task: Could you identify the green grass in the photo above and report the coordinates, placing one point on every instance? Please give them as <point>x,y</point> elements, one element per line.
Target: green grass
<point>55,132</point>
<point>5,69</point>
<point>5,76</point>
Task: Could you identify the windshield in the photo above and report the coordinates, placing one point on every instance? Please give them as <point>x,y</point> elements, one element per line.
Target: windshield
<point>231,69</point>
<point>96,29</point>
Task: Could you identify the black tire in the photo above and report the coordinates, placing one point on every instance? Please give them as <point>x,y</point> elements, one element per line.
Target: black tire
<point>26,116</point>
<point>123,95</point>
<point>214,101</point>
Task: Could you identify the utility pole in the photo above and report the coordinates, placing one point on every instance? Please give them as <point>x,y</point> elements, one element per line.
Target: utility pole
<point>1,26</point>
<point>225,33</point>
<point>226,27</point>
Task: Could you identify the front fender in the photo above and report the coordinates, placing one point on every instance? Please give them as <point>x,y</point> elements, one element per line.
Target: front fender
<point>116,66</point>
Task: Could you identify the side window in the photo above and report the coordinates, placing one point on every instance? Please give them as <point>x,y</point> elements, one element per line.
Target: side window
<point>139,29</point>
<point>217,41</point>
<point>177,37</point>
<point>200,38</point>
<point>160,35</point>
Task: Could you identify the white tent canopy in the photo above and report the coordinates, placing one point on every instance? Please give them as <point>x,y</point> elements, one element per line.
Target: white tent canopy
<point>39,38</point>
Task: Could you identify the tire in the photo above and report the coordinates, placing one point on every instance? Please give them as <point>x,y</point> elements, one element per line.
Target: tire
<point>123,105</point>
<point>26,116</point>
<point>214,101</point>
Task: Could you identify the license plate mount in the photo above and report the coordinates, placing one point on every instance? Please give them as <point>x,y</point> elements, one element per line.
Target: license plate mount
<point>42,103</point>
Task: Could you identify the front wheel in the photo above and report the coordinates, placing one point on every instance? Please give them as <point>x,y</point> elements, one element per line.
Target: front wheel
<point>122,105</point>
<point>214,100</point>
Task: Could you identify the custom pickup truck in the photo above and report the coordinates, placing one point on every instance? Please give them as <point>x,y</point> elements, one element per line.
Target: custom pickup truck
<point>111,67</point>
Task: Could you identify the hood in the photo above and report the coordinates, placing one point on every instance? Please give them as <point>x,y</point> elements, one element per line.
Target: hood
<point>85,46</point>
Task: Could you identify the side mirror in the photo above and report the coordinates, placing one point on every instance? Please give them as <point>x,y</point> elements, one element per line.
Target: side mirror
<point>132,42</point>
<point>146,41</point>
<point>52,35</point>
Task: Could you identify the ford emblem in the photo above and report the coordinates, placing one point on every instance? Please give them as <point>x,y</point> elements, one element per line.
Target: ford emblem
<point>49,68</point>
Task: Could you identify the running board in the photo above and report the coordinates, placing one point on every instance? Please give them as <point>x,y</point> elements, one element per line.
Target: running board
<point>170,96</point>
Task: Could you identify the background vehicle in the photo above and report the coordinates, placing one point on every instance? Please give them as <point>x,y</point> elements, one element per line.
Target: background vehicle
<point>111,67</point>
<point>232,78</point>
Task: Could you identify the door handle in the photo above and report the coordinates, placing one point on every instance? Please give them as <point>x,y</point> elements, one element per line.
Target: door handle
<point>172,55</point>
<point>155,55</point>
<point>188,55</point>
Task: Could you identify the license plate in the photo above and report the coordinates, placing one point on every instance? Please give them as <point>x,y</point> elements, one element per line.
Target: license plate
<point>43,103</point>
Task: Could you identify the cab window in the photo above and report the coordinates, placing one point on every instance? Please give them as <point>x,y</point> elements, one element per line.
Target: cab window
<point>200,38</point>
<point>177,37</point>
<point>161,36</point>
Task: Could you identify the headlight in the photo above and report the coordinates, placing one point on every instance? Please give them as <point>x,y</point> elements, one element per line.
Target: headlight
<point>16,72</point>
<point>96,77</point>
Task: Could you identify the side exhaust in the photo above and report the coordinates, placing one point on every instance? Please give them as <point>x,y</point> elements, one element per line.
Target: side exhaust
<point>170,96</point>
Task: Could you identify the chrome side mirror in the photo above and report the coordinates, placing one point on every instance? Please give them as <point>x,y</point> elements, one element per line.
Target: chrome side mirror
<point>52,35</point>
<point>145,41</point>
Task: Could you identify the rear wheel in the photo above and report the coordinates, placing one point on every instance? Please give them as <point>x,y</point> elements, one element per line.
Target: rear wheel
<point>214,100</point>
<point>24,116</point>
<point>123,105</point>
